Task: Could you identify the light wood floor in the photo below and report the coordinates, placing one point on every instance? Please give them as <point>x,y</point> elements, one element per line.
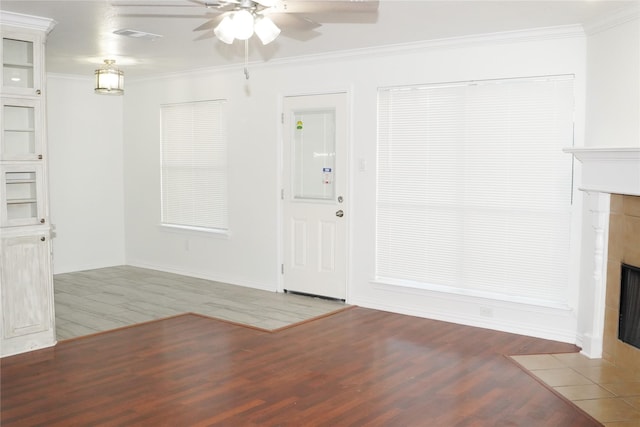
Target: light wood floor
<point>98,300</point>
<point>358,367</point>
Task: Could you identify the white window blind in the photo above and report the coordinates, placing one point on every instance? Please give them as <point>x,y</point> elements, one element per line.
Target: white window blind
<point>473,188</point>
<point>194,165</point>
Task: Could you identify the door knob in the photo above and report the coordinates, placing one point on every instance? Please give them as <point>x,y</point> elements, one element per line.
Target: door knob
<point>340,213</point>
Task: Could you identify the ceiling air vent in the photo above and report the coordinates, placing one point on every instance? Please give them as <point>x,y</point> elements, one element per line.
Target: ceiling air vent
<point>136,34</point>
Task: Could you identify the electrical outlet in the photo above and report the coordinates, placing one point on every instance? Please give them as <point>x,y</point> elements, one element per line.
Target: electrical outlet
<point>486,312</point>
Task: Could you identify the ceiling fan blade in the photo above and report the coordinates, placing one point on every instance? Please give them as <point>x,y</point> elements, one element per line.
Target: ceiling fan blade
<point>266,3</point>
<point>210,24</point>
<point>286,21</point>
<point>161,15</point>
<point>216,4</point>
<point>302,36</point>
<point>205,36</point>
<point>345,17</point>
<point>209,4</point>
<point>156,3</point>
<point>326,6</point>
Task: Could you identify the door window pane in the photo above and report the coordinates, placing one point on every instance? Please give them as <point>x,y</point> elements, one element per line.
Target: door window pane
<point>314,145</point>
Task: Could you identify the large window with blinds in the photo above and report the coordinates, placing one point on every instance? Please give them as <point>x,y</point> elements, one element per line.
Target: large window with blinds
<point>194,165</point>
<point>474,190</point>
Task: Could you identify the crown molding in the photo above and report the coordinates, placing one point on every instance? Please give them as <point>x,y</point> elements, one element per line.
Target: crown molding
<point>619,17</point>
<point>518,36</point>
<point>27,22</point>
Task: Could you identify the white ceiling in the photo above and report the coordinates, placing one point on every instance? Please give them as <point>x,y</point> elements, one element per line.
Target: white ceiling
<point>83,36</point>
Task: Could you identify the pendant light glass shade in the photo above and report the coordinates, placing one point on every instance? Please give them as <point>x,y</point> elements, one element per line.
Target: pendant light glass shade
<point>266,30</point>
<point>225,30</point>
<point>243,24</point>
<point>109,79</point>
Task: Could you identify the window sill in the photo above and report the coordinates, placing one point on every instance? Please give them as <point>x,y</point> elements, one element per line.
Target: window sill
<point>183,229</point>
<point>385,283</point>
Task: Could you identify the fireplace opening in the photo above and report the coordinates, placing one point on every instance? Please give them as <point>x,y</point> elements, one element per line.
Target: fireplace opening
<point>629,326</point>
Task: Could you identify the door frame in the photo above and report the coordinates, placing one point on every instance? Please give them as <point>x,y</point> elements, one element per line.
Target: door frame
<point>348,177</point>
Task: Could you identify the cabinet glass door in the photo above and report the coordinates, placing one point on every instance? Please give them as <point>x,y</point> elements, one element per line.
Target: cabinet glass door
<point>18,65</point>
<point>21,196</point>
<point>20,130</point>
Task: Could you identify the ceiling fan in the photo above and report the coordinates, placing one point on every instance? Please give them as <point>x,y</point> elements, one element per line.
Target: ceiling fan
<point>240,19</point>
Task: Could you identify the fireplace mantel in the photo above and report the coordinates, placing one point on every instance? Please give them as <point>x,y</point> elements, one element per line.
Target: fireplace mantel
<point>604,171</point>
<point>609,170</point>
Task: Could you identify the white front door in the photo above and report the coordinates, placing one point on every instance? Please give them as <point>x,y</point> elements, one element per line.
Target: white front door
<point>315,204</point>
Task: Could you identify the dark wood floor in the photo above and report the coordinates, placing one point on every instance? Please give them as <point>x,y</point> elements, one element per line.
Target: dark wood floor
<point>358,367</point>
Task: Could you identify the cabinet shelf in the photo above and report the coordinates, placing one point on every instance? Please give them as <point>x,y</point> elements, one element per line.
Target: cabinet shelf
<point>25,65</point>
<point>21,201</point>
<point>28,130</point>
<point>21,181</point>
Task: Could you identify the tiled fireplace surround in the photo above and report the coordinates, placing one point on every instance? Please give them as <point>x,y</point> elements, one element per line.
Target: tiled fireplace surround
<point>623,247</point>
<point>611,182</point>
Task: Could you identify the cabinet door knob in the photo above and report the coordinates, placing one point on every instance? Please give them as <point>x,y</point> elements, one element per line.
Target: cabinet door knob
<point>43,238</point>
<point>42,221</point>
<point>39,156</point>
<point>38,92</point>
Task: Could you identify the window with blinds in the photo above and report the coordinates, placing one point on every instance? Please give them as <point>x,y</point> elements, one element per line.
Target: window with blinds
<point>194,165</point>
<point>473,188</point>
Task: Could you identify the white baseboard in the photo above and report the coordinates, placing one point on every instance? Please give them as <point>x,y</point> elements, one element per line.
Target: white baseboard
<point>551,324</point>
<point>200,275</point>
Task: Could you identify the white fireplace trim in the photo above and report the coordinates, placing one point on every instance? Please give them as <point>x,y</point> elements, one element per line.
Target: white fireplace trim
<point>609,170</point>
<point>605,171</point>
<point>599,205</point>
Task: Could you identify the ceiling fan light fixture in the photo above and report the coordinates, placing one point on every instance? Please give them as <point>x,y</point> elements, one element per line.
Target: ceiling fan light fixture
<point>243,24</point>
<point>109,79</point>
<point>225,30</point>
<point>266,30</point>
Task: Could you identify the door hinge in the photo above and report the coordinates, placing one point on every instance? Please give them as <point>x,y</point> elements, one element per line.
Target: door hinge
<point>282,193</point>
<point>282,118</point>
<point>281,268</point>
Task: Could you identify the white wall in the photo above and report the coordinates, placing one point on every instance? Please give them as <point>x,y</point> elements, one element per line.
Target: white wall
<point>85,175</point>
<point>612,120</point>
<point>613,86</point>
<point>250,256</point>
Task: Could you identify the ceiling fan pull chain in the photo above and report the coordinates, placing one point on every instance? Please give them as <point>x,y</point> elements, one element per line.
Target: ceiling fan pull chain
<point>246,59</point>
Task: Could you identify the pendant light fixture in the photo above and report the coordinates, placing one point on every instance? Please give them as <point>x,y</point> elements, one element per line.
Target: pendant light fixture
<point>109,79</point>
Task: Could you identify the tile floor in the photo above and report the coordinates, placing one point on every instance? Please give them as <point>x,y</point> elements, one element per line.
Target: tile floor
<point>609,394</point>
<point>91,301</point>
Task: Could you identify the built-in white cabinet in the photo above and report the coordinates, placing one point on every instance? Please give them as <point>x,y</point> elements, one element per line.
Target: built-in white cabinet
<point>21,137</point>
<point>21,64</point>
<point>22,199</point>
<point>27,318</point>
<point>26,294</point>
